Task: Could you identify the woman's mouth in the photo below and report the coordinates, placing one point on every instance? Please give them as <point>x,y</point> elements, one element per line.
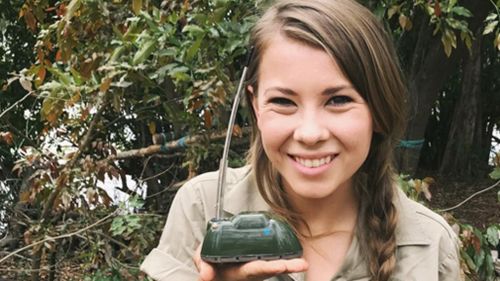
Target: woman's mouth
<point>313,162</point>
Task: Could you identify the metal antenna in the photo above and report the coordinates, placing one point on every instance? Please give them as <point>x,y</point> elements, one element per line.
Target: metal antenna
<point>221,183</point>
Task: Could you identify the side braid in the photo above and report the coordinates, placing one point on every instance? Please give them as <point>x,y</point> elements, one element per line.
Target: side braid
<point>379,216</point>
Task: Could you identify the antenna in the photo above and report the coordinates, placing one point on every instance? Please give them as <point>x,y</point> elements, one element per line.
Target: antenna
<point>221,183</point>
<point>228,242</point>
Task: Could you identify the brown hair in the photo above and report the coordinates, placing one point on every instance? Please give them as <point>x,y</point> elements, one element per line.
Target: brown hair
<point>355,39</point>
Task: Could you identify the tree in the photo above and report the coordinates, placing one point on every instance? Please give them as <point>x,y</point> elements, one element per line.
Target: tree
<point>15,54</point>
<point>111,77</point>
<point>426,35</point>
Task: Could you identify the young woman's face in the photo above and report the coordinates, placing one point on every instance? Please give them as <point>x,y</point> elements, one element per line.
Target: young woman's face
<point>316,128</point>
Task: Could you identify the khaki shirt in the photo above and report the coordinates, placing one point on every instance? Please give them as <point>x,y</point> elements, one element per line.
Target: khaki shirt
<point>426,245</point>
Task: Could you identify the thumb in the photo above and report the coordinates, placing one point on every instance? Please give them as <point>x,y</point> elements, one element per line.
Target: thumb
<point>207,271</point>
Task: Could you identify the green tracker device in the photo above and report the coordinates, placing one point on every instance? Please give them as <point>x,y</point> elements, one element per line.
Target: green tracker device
<point>247,236</point>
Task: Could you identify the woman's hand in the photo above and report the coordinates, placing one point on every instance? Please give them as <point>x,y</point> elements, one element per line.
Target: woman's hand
<point>251,271</point>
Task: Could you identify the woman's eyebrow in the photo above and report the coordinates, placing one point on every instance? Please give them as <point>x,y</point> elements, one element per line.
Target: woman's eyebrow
<point>326,92</point>
<point>286,91</point>
<point>333,90</point>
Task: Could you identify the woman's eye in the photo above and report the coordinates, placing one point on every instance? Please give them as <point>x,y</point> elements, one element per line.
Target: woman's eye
<point>281,101</point>
<point>339,100</point>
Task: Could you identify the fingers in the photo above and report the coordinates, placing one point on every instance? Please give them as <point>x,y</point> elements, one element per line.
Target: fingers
<point>251,271</point>
<point>207,271</point>
<point>259,270</point>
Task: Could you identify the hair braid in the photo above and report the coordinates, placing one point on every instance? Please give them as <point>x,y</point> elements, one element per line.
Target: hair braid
<point>380,214</point>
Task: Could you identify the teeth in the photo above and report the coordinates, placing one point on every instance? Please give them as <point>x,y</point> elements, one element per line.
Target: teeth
<point>313,163</point>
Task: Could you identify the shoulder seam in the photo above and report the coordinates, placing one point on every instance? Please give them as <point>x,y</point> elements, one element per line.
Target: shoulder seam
<point>444,225</point>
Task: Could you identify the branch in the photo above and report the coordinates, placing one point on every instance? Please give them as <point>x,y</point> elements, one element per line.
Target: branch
<point>168,147</point>
<point>157,175</point>
<point>17,255</point>
<point>101,105</point>
<point>495,139</point>
<point>18,132</point>
<point>470,197</point>
<point>126,190</point>
<point>60,236</point>
<point>15,104</point>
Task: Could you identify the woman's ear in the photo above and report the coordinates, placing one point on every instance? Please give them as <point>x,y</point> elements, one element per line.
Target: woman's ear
<point>253,100</point>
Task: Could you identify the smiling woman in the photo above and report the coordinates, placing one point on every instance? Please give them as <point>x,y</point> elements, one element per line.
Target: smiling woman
<point>328,105</point>
<point>315,127</point>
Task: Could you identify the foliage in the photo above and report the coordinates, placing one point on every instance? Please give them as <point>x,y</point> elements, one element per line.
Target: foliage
<point>15,54</point>
<point>447,18</point>
<point>475,251</point>
<point>495,174</point>
<point>475,245</point>
<point>415,188</point>
<point>108,76</point>
<point>492,26</point>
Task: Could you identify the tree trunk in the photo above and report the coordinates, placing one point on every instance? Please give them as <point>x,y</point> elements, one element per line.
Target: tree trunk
<point>429,70</point>
<point>427,73</point>
<point>465,132</point>
<point>52,264</point>
<point>35,263</point>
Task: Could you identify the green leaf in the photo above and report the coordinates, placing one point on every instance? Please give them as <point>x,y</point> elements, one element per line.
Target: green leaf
<point>467,39</point>
<point>214,33</point>
<point>179,73</point>
<point>393,10</point>
<point>455,24</point>
<point>492,235</point>
<point>379,11</point>
<point>490,27</point>
<point>76,76</point>
<point>136,202</point>
<point>470,263</point>
<point>495,174</point>
<point>479,258</point>
<point>136,6</point>
<point>193,30</point>
<point>117,226</point>
<point>146,49</point>
<point>71,9</point>
<point>496,42</point>
<point>219,14</point>
<point>63,77</point>
<point>489,267</point>
<point>461,11</point>
<point>153,25</point>
<point>491,17</point>
<point>193,50</point>
<point>447,45</point>
<point>117,53</point>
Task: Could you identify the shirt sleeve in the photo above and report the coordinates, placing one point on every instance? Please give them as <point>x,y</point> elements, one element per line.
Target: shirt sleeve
<point>449,267</point>
<point>184,229</point>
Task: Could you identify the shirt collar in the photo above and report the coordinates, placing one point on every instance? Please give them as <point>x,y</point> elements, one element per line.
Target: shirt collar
<point>242,194</point>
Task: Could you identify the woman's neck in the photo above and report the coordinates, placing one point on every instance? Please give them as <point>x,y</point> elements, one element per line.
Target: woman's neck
<point>335,213</point>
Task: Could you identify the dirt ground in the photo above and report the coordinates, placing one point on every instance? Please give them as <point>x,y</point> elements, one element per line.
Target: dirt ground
<point>480,211</point>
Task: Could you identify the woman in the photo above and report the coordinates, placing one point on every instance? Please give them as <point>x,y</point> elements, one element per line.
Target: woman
<point>328,103</point>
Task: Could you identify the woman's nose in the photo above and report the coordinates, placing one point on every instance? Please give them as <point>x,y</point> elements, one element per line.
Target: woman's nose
<point>310,129</point>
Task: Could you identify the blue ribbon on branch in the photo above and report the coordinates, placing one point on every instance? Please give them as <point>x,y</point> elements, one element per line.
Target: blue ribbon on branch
<point>179,143</point>
<point>411,143</point>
